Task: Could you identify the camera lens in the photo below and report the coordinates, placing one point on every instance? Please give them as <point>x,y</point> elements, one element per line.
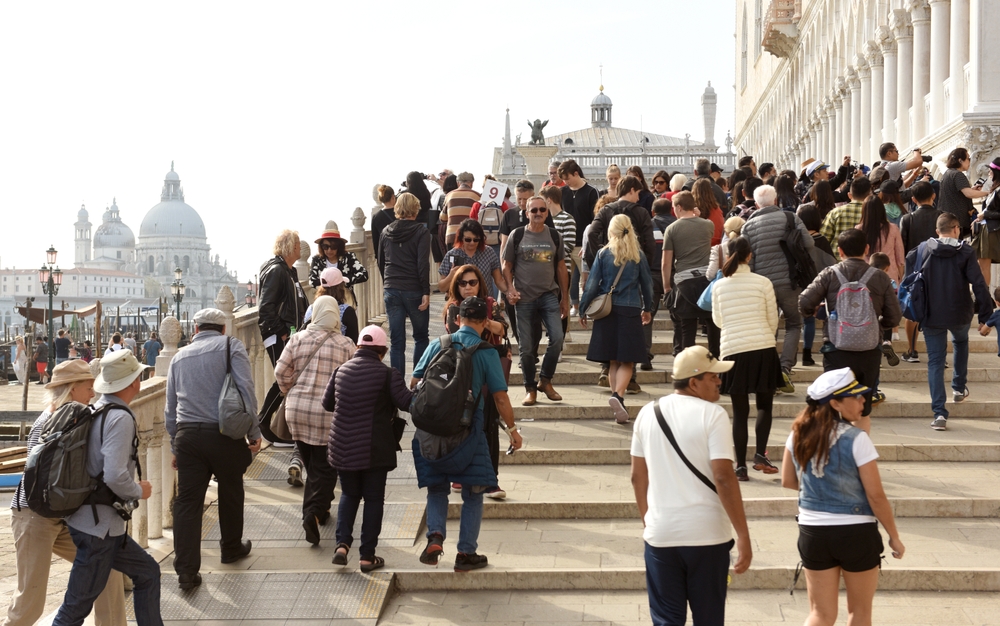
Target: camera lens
<point>927,158</point>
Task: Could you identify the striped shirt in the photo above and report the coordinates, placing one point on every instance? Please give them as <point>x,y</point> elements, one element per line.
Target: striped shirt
<point>20,500</point>
<point>566,226</point>
<point>457,207</point>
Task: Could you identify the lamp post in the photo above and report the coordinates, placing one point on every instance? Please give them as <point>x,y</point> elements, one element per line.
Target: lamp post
<point>177,288</point>
<point>50,277</point>
<point>250,295</point>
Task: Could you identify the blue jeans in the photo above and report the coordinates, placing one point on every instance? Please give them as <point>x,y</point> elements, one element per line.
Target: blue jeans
<point>682,575</point>
<point>400,305</point>
<point>471,520</point>
<point>546,308</point>
<point>95,558</point>
<point>937,348</point>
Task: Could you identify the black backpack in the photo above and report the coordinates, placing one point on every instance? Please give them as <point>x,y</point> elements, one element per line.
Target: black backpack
<point>801,269</point>
<point>444,402</point>
<point>56,481</point>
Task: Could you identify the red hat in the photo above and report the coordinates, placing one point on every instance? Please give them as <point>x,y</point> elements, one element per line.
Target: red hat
<point>332,231</point>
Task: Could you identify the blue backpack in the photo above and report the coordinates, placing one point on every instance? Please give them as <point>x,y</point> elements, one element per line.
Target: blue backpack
<point>913,290</point>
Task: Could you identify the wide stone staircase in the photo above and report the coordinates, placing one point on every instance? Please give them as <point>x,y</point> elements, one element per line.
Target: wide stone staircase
<point>566,544</point>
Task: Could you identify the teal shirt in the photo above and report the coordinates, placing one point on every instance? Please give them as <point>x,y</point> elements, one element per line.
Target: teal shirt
<point>486,369</point>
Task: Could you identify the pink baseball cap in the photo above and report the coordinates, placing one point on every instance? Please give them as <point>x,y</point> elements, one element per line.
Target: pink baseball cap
<point>372,336</point>
<point>330,277</point>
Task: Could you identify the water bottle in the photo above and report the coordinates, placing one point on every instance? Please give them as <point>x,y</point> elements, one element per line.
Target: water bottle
<point>470,408</point>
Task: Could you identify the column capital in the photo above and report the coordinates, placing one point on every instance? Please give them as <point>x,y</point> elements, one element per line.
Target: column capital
<point>939,1</point>
<point>899,23</point>
<point>828,107</point>
<point>852,80</point>
<point>862,68</point>
<point>885,40</point>
<point>873,54</point>
<point>919,10</point>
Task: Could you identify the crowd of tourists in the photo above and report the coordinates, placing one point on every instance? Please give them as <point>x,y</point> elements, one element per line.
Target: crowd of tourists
<point>735,259</point>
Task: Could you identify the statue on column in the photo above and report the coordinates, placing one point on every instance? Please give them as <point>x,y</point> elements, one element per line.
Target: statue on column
<point>537,138</point>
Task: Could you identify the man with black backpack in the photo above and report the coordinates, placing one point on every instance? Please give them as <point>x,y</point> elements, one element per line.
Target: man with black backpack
<point>99,530</point>
<point>768,232</point>
<point>853,337</point>
<point>450,444</point>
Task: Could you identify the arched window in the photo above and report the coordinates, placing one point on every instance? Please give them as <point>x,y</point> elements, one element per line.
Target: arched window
<point>151,264</point>
<point>743,52</point>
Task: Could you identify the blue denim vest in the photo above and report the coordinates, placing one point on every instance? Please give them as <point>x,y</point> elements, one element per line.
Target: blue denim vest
<point>839,490</point>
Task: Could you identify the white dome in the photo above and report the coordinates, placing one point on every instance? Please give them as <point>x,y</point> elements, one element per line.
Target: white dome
<point>113,233</point>
<point>601,100</point>
<point>82,214</point>
<point>172,218</point>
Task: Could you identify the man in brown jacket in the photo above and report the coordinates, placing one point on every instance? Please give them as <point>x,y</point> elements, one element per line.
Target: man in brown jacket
<point>853,249</point>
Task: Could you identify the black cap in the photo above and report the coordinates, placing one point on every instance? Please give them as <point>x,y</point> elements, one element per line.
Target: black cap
<point>889,186</point>
<point>473,309</point>
<point>716,168</point>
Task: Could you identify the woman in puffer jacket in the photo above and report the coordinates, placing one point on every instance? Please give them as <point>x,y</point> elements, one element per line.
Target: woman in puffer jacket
<point>744,307</point>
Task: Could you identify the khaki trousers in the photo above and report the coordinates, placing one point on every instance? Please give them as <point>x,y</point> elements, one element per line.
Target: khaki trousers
<point>36,539</point>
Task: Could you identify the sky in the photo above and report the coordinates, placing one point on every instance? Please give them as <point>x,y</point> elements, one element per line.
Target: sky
<point>286,115</point>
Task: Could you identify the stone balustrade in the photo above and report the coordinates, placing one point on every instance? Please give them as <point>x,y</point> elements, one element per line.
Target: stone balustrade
<point>154,514</point>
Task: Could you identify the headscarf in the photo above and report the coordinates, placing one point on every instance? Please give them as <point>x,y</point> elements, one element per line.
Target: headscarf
<point>326,314</point>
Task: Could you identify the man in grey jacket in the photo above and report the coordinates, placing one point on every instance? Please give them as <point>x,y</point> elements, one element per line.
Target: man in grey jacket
<point>99,531</point>
<point>765,231</point>
<point>194,383</point>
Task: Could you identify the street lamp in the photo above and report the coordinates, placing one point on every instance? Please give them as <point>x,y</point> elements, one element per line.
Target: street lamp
<point>50,277</point>
<point>250,298</point>
<point>177,288</point>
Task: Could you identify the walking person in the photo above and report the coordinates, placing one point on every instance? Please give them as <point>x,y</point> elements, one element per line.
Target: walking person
<point>470,249</point>
<point>363,395</point>
<point>987,226</point>
<point>621,270</point>
<point>830,460</point>
<point>201,451</point>
<point>950,272</point>
<point>404,263</point>
<point>957,193</point>
<point>882,236</point>
<point>331,283</point>
<point>689,518</point>
<point>21,360</point>
<point>302,373</point>
<point>915,228</point>
<point>745,308</point>
<point>37,538</point>
<point>687,246</point>
<point>63,344</point>
<point>98,531</point>
<point>441,461</point>
<point>40,357</point>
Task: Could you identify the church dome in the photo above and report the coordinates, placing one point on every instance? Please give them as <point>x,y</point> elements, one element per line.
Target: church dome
<point>172,217</point>
<point>82,214</point>
<point>601,99</point>
<point>113,233</point>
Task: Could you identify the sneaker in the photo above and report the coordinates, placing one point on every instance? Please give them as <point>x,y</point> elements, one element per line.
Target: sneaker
<point>878,397</point>
<point>960,396</point>
<point>468,562</point>
<point>646,367</point>
<point>763,464</point>
<point>741,474</point>
<point>633,387</point>
<point>618,411</point>
<point>895,335</point>
<point>295,475</point>
<point>940,423</point>
<point>496,493</point>
<point>807,359</point>
<point>602,381</point>
<point>890,354</point>
<point>456,487</point>
<point>911,357</point>
<point>573,310</point>
<point>786,380</point>
<point>434,549</point>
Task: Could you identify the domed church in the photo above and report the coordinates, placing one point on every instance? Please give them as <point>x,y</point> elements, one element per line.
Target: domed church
<point>172,235</point>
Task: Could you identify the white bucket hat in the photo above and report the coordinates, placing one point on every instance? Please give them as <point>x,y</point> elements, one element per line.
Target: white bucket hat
<point>118,370</point>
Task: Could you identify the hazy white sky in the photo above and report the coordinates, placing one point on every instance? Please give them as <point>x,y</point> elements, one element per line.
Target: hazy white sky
<point>284,115</point>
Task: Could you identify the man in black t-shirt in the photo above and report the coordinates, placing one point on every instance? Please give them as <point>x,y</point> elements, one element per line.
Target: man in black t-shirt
<point>578,199</point>
<point>63,344</point>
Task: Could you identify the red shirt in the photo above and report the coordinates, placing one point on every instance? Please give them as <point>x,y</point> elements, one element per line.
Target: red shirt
<point>561,183</point>
<point>717,218</point>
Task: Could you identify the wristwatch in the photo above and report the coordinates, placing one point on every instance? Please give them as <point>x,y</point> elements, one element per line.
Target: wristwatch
<point>509,429</point>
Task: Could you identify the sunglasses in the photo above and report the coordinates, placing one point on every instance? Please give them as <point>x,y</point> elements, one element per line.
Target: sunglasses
<point>471,240</point>
<point>537,210</point>
<point>659,182</point>
<point>473,282</point>
<point>329,246</point>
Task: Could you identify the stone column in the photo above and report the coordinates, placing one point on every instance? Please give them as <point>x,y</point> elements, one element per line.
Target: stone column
<point>537,160</point>
<point>829,129</point>
<point>940,51</point>
<point>154,467</point>
<point>854,139</point>
<point>920,16</point>
<point>899,21</point>
<point>865,76</point>
<point>887,46</point>
<point>170,333</point>
<point>140,517</point>
<point>959,56</point>
<point>837,151</point>
<point>167,478</point>
<point>874,57</point>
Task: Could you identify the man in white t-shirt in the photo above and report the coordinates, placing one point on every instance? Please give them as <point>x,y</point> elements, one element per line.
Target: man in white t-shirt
<point>687,524</point>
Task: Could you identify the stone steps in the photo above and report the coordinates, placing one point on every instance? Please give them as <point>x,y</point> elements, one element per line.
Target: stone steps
<point>663,344</point>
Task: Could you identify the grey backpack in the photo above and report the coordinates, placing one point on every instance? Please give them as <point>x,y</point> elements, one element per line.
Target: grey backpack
<point>234,419</point>
<point>855,326</point>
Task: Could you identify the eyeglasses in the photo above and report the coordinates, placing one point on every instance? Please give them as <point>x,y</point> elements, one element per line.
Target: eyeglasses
<point>538,210</point>
<point>471,240</point>
<point>473,282</point>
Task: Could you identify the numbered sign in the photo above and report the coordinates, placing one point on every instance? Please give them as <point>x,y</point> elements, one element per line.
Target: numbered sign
<point>493,192</point>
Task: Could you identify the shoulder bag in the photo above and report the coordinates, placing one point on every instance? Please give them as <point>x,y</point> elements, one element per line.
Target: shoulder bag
<point>279,424</point>
<point>600,307</point>
<point>234,419</point>
<point>670,435</point>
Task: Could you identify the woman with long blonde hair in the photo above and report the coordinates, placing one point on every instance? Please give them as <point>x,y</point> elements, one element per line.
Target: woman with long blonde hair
<point>621,270</point>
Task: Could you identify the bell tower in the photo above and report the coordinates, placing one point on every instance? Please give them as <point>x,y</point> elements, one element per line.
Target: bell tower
<point>82,249</point>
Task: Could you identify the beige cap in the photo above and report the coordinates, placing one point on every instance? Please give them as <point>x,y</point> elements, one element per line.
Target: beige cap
<point>697,360</point>
<point>118,370</point>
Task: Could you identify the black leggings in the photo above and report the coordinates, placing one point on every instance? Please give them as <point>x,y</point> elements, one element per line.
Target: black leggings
<point>741,415</point>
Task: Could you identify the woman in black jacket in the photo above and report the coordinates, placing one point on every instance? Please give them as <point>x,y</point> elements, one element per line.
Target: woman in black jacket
<point>333,253</point>
<point>988,248</point>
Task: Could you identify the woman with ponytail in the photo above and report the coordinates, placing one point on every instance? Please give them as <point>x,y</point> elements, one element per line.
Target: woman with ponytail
<point>387,198</point>
<point>744,307</point>
<point>830,460</point>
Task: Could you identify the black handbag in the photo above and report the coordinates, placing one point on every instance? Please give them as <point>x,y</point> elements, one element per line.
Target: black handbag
<point>398,423</point>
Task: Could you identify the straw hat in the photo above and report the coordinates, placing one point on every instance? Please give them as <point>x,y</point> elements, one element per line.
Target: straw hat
<point>69,372</point>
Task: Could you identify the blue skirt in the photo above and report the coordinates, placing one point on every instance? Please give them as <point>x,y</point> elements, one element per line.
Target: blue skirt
<point>618,337</point>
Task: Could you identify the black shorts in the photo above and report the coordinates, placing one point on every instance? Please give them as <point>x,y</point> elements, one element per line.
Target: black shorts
<point>853,548</point>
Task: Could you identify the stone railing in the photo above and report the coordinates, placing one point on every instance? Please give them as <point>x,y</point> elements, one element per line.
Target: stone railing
<point>154,514</point>
<point>781,30</point>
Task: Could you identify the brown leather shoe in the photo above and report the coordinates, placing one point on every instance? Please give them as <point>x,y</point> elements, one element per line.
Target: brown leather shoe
<point>545,386</point>
<point>530,398</point>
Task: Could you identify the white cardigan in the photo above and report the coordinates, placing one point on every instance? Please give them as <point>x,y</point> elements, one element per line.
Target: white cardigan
<point>743,306</point>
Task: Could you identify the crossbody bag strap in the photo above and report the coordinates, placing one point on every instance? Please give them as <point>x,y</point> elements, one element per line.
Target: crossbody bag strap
<point>670,435</point>
<point>310,357</point>
<point>618,276</point>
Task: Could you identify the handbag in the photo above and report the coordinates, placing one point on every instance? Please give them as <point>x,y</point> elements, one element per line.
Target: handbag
<point>600,307</point>
<point>670,435</point>
<point>234,419</point>
<point>398,423</point>
<point>279,424</point>
<point>705,299</point>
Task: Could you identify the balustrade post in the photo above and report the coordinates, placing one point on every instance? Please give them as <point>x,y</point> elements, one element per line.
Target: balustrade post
<point>167,479</point>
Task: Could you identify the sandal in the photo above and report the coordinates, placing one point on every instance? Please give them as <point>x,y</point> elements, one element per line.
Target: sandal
<point>340,558</point>
<point>376,563</point>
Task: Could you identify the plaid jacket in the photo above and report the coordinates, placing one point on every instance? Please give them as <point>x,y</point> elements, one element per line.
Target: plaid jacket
<point>307,420</point>
<point>840,219</point>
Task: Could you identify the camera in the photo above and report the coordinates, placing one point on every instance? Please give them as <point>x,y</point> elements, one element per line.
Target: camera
<point>927,158</point>
<point>124,508</point>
